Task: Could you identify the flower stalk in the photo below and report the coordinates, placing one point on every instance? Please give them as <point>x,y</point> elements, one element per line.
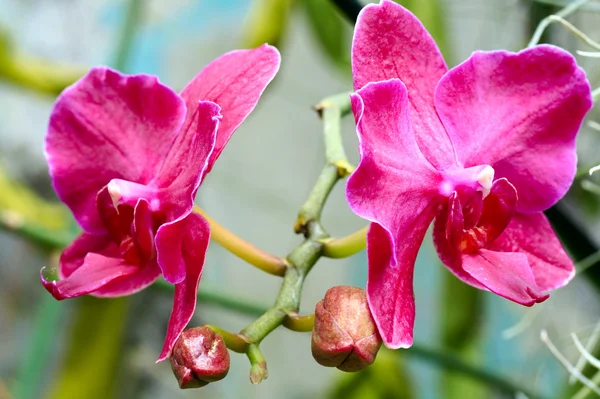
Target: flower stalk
<point>256,257</point>
<point>346,246</point>
<point>258,369</point>
<point>331,110</point>
<point>299,323</point>
<point>235,342</point>
<point>305,255</point>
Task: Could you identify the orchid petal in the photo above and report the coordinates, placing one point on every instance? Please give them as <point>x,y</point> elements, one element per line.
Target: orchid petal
<point>142,229</point>
<point>507,274</point>
<point>142,278</point>
<point>393,180</point>
<point>390,281</point>
<point>395,187</point>
<point>169,248</point>
<point>390,42</point>
<point>235,81</point>
<point>106,126</point>
<point>532,235</point>
<point>447,236</point>
<point>196,234</point>
<point>518,113</point>
<point>186,162</point>
<point>74,257</point>
<point>96,272</point>
<point>498,209</point>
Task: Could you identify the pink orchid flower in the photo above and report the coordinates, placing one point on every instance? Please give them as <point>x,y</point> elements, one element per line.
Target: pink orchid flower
<point>127,155</point>
<point>482,148</point>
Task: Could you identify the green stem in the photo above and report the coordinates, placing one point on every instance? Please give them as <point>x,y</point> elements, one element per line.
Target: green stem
<point>596,94</point>
<point>132,22</point>
<point>235,342</point>
<point>299,323</point>
<point>302,258</point>
<point>331,110</point>
<point>311,211</point>
<point>565,12</point>
<point>242,249</point>
<point>587,262</point>
<point>487,377</point>
<point>258,368</point>
<point>346,246</point>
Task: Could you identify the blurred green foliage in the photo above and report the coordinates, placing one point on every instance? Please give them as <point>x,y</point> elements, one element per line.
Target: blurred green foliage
<point>95,350</point>
<point>462,310</point>
<point>332,33</point>
<point>387,378</point>
<point>20,204</point>
<point>267,22</point>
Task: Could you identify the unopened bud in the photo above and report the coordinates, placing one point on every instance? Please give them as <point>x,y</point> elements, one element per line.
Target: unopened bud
<point>199,357</point>
<point>345,335</point>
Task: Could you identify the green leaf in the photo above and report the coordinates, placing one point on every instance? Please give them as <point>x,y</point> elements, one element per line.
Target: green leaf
<point>330,30</point>
<point>267,22</point>
<point>95,348</point>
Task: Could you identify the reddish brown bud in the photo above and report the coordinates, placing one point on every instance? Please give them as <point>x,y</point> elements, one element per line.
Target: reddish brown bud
<point>199,357</point>
<point>345,335</point>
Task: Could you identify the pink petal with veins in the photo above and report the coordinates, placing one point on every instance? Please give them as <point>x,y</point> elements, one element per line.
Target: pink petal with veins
<point>235,81</point>
<point>109,126</point>
<point>195,233</point>
<point>518,113</point>
<point>390,42</point>
<point>533,236</point>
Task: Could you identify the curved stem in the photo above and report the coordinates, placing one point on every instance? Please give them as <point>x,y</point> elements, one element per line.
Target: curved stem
<point>331,110</point>
<point>345,247</point>
<point>565,12</point>
<point>234,342</point>
<point>299,323</point>
<point>304,256</point>
<point>242,249</point>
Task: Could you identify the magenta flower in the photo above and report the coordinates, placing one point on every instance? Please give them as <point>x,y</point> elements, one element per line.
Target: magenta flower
<point>127,155</point>
<point>482,148</point>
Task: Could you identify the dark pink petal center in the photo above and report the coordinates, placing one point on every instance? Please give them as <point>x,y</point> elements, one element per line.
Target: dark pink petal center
<point>495,212</point>
<point>131,224</point>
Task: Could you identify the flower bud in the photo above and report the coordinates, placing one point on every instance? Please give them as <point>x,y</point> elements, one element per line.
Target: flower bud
<point>345,335</point>
<point>199,357</point>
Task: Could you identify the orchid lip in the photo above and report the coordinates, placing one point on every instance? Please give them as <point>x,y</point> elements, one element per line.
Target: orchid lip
<point>477,178</point>
<point>485,180</point>
<point>115,193</point>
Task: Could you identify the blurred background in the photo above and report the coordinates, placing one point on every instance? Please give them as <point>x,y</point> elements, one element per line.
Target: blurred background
<point>468,344</point>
